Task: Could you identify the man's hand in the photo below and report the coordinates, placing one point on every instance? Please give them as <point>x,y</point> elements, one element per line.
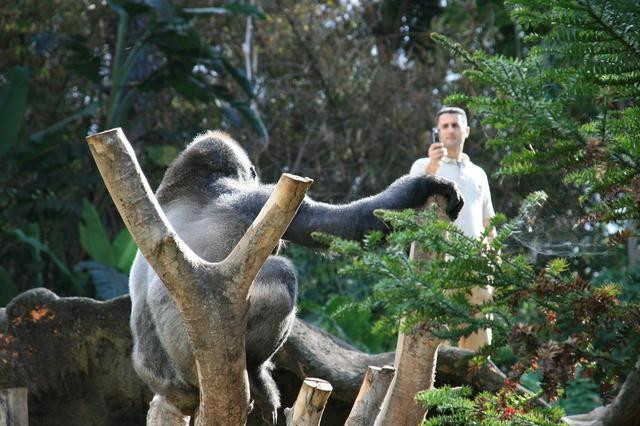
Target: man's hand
<point>436,152</point>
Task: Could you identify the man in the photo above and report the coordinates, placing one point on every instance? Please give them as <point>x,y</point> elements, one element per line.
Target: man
<point>447,160</point>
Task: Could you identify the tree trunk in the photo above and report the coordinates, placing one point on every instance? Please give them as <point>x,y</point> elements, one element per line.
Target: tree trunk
<point>372,392</point>
<point>309,406</point>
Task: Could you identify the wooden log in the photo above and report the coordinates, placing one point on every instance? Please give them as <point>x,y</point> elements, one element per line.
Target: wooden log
<point>372,392</point>
<point>415,362</point>
<point>311,351</point>
<point>310,403</point>
<point>13,407</point>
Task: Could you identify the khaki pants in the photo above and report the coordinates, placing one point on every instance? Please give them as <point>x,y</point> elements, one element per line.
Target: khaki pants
<point>475,341</point>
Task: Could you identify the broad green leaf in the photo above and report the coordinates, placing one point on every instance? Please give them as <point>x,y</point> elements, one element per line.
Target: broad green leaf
<point>93,236</point>
<point>108,281</point>
<point>245,8</point>
<point>89,110</point>
<point>231,114</point>
<point>82,60</point>
<point>238,75</point>
<point>13,103</point>
<point>174,42</point>
<point>124,249</point>
<point>191,88</point>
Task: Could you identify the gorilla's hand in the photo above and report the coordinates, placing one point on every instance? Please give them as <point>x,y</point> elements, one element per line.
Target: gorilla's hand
<point>448,189</point>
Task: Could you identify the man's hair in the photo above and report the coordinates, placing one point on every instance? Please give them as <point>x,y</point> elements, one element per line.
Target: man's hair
<point>451,110</point>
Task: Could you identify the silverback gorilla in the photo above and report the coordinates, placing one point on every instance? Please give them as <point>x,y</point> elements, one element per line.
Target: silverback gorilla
<point>211,195</point>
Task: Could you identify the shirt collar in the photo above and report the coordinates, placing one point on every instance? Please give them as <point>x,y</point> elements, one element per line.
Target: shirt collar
<point>464,158</point>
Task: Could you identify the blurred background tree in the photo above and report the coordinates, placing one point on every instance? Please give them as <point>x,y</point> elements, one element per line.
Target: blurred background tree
<point>347,91</point>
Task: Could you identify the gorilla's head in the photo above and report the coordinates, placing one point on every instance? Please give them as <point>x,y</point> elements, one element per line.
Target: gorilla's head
<point>211,156</point>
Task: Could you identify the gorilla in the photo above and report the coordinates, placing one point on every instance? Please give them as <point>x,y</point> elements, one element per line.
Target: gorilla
<point>211,194</point>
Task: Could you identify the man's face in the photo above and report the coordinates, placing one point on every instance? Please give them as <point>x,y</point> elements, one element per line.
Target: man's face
<point>453,130</point>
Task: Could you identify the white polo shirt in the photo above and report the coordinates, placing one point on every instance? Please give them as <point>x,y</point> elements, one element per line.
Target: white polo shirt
<point>473,184</point>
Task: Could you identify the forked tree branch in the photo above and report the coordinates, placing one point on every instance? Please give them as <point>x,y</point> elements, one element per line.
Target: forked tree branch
<point>215,317</point>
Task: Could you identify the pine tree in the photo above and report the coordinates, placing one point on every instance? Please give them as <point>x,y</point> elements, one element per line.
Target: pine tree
<point>571,103</point>
<point>570,106</point>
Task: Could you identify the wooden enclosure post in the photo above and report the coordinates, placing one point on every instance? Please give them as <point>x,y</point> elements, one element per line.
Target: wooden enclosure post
<point>13,407</point>
<point>415,362</point>
<point>372,392</point>
<point>310,403</point>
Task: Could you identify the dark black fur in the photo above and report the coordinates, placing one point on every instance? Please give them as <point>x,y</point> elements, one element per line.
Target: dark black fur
<point>211,195</point>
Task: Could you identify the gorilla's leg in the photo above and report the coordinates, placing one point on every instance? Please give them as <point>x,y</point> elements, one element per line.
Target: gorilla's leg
<point>153,365</point>
<point>271,313</point>
<point>264,391</point>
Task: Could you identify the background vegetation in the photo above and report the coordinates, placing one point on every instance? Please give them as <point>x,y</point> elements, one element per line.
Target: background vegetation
<point>341,91</point>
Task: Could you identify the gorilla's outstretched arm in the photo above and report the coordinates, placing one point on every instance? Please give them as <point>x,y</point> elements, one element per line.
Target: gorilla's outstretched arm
<point>354,220</point>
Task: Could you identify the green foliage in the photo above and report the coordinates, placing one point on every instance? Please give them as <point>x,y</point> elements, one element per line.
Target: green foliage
<point>582,395</point>
<point>13,103</point>
<point>7,288</point>
<point>570,104</point>
<point>94,240</point>
<point>456,406</point>
<point>162,155</point>
<point>111,261</point>
<point>152,70</point>
<point>326,299</point>
<point>39,248</point>
<point>173,35</point>
<point>400,286</point>
<point>552,320</point>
